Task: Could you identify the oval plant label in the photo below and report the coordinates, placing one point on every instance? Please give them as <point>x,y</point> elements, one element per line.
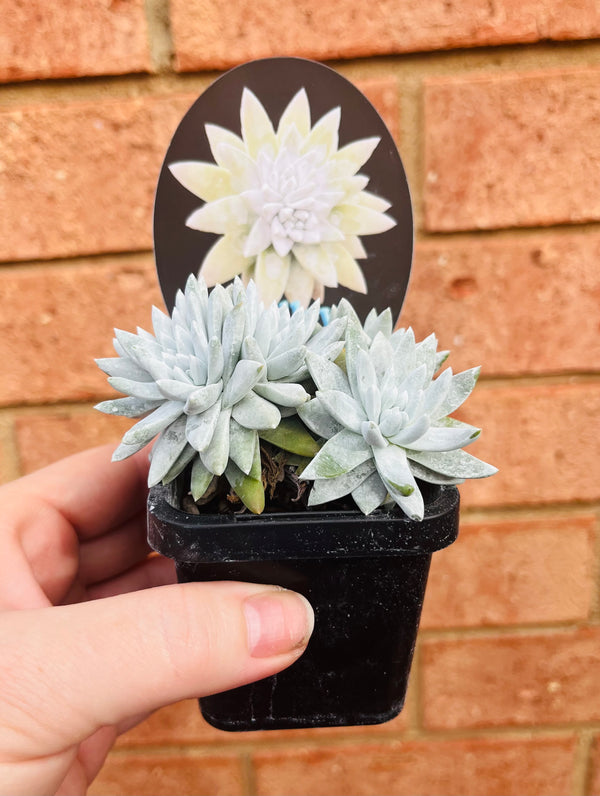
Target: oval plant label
<point>283,172</point>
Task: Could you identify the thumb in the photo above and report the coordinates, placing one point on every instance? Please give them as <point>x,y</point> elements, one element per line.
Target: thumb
<point>69,670</point>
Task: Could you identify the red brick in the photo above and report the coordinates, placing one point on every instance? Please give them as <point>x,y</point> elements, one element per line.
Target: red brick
<point>545,439</point>
<point>43,438</point>
<point>482,767</point>
<point>543,572</point>
<point>57,319</point>
<point>512,150</point>
<point>594,783</point>
<point>164,775</point>
<point>487,299</point>
<point>211,35</point>
<point>79,178</point>
<point>181,723</point>
<point>71,39</point>
<point>542,678</point>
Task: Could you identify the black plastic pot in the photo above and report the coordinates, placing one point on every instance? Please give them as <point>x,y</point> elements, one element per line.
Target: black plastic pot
<point>365,578</point>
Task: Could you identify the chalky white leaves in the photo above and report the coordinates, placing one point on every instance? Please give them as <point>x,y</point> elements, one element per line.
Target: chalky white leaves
<point>223,371</point>
<point>214,374</point>
<point>386,419</point>
<point>288,204</point>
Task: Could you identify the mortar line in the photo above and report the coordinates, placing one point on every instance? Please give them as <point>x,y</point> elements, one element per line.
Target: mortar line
<point>248,746</point>
<point>248,772</point>
<point>535,57</point>
<point>415,716</point>
<point>160,36</point>
<point>521,629</point>
<point>582,764</point>
<point>595,607</point>
<point>583,228</point>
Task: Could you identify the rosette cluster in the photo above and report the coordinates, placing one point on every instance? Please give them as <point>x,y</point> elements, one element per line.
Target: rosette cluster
<point>288,204</point>
<point>213,376</point>
<point>385,419</point>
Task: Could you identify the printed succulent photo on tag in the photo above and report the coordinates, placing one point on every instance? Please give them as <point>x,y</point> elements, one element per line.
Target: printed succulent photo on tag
<point>283,172</point>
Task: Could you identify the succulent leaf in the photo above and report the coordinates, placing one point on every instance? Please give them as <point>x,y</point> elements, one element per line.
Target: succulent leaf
<point>425,474</point>
<point>147,428</point>
<point>284,395</point>
<point>343,408</point>
<point>461,387</point>
<point>291,435</point>
<point>445,438</point>
<point>244,377</point>
<point>241,445</point>
<point>280,365</point>
<point>250,490</point>
<point>179,465</point>
<point>369,495</point>
<point>125,368</point>
<point>127,407</point>
<point>325,490</point>
<point>200,478</point>
<point>340,454</point>
<point>256,469</point>
<point>375,323</point>
<point>455,464</point>
<point>216,455</point>
<point>202,398</point>
<point>314,415</point>
<point>326,374</point>
<point>166,450</point>
<point>201,427</point>
<point>256,412</point>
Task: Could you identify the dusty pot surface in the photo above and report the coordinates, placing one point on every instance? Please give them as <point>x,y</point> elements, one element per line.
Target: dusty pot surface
<point>365,577</point>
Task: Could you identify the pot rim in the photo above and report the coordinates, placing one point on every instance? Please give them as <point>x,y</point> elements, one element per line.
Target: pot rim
<point>201,538</point>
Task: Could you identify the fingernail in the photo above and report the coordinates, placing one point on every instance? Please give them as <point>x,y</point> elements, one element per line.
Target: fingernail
<point>278,622</point>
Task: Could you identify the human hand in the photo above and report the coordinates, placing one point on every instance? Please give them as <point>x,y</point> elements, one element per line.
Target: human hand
<point>94,632</point>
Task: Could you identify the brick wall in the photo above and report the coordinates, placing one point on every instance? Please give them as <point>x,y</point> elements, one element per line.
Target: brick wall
<point>496,110</point>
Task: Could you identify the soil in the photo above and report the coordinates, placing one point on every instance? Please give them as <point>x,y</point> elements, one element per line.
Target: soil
<point>285,491</point>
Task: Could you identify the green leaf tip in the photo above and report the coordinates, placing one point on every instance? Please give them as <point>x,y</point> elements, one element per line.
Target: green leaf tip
<point>249,490</point>
<point>405,489</point>
<point>252,494</point>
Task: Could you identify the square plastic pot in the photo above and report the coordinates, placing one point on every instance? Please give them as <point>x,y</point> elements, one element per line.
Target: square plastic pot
<point>365,577</point>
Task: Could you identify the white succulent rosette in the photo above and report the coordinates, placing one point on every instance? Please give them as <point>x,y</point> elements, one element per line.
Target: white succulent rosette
<point>288,204</point>
<point>386,420</point>
<point>212,377</point>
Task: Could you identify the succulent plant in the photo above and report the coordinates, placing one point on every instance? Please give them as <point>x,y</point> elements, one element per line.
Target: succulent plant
<point>213,377</point>
<point>358,403</point>
<point>386,419</point>
<point>288,205</point>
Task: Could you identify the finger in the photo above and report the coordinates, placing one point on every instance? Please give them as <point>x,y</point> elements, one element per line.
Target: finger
<point>91,492</point>
<point>112,553</point>
<point>38,550</point>
<point>107,660</point>
<point>90,757</point>
<point>155,571</point>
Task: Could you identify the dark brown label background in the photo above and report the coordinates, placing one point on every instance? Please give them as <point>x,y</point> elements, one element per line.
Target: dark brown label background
<point>179,250</point>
